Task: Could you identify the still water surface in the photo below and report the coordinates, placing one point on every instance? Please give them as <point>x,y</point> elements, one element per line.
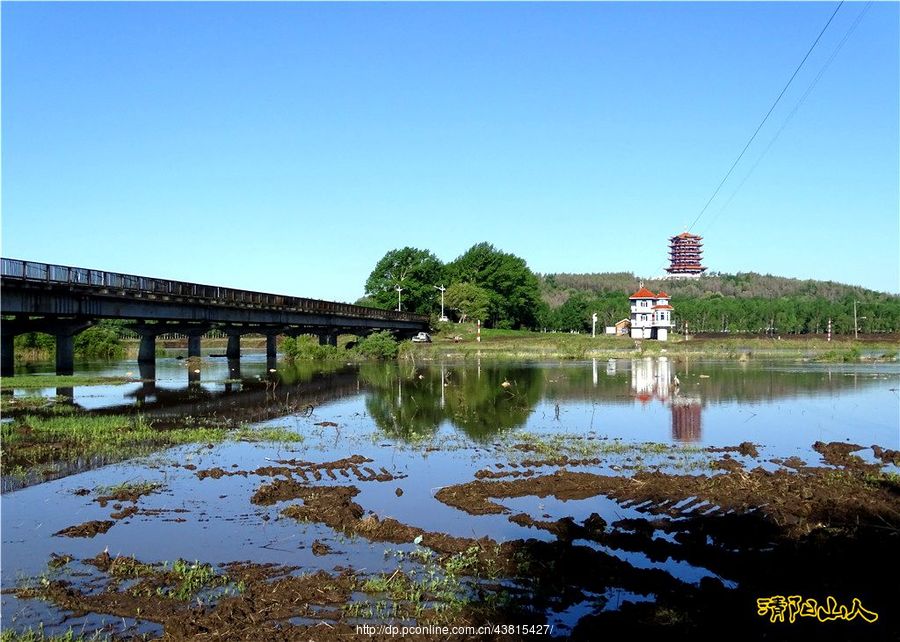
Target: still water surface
<point>431,425</point>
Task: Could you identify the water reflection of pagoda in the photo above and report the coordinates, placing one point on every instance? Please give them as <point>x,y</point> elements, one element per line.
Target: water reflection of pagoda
<point>653,379</point>
<point>686,418</point>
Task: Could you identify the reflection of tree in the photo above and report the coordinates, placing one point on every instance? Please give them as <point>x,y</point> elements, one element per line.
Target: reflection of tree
<point>297,372</point>
<point>411,404</point>
<point>483,406</point>
<point>402,404</point>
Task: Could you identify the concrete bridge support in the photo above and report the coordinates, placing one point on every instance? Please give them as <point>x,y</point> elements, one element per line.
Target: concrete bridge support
<point>65,332</point>
<point>234,369</point>
<point>7,354</point>
<point>271,346</point>
<point>65,354</point>
<point>233,351</point>
<point>147,372</point>
<point>328,339</point>
<point>63,329</point>
<point>194,345</point>
<point>147,349</point>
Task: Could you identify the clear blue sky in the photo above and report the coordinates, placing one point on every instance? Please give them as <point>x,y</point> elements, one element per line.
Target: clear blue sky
<point>286,147</point>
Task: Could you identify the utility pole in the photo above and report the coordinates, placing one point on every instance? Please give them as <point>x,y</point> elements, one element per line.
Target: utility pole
<point>442,289</point>
<point>829,328</point>
<point>399,290</point>
<point>855,322</point>
<point>594,334</point>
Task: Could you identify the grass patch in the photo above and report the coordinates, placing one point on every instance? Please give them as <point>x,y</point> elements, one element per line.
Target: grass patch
<point>34,403</point>
<point>59,381</point>
<point>38,635</point>
<point>180,580</point>
<point>459,340</point>
<point>37,447</point>
<point>645,455</point>
<point>442,585</point>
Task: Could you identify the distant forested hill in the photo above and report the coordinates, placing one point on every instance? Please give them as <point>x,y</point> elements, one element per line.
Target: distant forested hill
<point>743,302</point>
<point>556,288</point>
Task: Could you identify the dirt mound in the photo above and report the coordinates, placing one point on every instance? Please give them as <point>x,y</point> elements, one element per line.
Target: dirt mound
<point>87,529</point>
<point>837,453</point>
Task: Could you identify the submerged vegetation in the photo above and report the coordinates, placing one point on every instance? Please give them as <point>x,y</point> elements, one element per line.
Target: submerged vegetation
<point>34,381</point>
<point>35,447</point>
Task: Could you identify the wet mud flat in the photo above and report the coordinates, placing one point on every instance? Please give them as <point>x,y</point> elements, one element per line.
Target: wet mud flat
<point>695,555</point>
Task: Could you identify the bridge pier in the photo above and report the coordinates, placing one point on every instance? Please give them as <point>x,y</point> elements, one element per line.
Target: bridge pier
<point>7,354</point>
<point>234,345</point>
<point>65,332</point>
<point>147,349</point>
<point>194,345</point>
<point>234,369</point>
<point>271,346</point>
<point>328,339</point>
<point>147,371</point>
<point>65,354</point>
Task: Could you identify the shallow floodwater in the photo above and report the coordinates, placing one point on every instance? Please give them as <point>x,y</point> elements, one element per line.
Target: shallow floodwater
<point>428,425</point>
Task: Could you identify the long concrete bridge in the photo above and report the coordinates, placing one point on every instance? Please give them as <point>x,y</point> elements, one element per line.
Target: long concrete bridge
<point>63,301</point>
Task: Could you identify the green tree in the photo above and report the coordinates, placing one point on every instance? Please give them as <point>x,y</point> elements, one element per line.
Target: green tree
<point>574,314</point>
<point>471,301</point>
<point>416,271</point>
<point>513,288</point>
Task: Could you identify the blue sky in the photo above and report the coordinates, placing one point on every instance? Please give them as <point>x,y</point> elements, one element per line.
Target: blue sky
<point>286,147</point>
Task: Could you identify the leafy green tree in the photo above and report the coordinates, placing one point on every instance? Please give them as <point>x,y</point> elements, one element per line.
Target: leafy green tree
<point>471,301</point>
<point>513,288</point>
<point>101,341</point>
<point>379,345</point>
<point>416,271</point>
<point>575,314</point>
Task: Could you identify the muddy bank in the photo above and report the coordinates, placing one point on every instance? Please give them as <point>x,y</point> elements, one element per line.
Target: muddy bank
<point>310,471</point>
<point>737,536</point>
<point>87,529</point>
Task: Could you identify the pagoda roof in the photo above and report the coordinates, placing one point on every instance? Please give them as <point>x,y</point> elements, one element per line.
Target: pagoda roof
<point>687,235</point>
<point>662,295</point>
<point>643,293</point>
<point>663,307</point>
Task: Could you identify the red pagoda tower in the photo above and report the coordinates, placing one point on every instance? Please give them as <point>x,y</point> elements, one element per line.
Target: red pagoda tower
<point>685,254</point>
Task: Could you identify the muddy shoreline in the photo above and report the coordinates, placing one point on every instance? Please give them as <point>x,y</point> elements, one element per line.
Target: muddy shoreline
<point>812,530</point>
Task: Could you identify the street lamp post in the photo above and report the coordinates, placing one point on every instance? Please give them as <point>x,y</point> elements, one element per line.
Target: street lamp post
<point>399,290</point>
<point>442,289</point>
<point>856,321</point>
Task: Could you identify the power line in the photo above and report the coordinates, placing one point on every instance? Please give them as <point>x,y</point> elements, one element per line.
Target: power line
<point>771,109</point>
<point>787,120</point>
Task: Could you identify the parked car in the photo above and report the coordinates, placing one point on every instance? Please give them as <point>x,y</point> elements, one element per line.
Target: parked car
<point>422,337</point>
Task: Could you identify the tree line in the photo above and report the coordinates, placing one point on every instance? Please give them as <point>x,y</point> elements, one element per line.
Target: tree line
<point>498,288</point>
<point>729,314</point>
<point>743,303</point>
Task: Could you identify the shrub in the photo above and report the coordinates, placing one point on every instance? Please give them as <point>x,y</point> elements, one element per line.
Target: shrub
<point>307,348</point>
<point>379,345</point>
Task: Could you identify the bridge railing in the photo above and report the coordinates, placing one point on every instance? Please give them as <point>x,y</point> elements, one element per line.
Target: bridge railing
<point>32,271</point>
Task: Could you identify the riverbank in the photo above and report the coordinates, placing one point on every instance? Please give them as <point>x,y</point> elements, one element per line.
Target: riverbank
<point>461,341</point>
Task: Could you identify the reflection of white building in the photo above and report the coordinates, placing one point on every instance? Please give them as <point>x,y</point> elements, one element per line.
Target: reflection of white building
<point>651,378</point>
<point>651,315</point>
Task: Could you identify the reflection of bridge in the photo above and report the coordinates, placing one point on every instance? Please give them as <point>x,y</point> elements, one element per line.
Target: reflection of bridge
<point>251,400</point>
<point>63,301</point>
